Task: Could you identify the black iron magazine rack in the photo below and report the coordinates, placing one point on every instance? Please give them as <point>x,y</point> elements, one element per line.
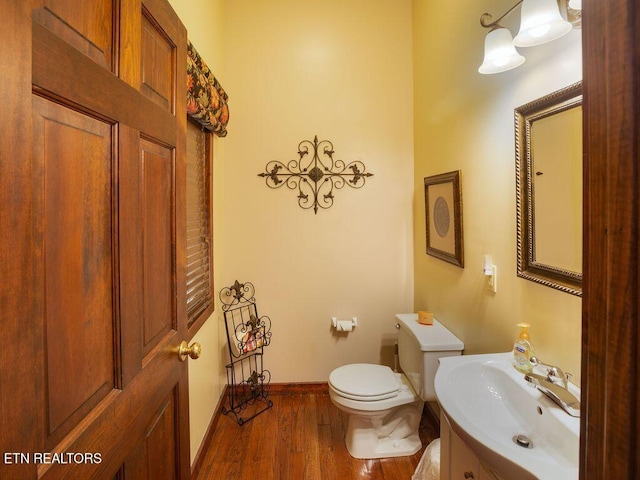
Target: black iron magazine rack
<point>247,335</point>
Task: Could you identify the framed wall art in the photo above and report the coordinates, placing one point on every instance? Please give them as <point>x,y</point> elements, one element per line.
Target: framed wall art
<point>443,209</point>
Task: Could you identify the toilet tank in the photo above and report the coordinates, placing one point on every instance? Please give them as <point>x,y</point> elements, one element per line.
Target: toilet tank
<point>420,347</point>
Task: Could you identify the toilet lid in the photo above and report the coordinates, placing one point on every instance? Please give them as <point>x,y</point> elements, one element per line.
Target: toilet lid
<point>364,381</point>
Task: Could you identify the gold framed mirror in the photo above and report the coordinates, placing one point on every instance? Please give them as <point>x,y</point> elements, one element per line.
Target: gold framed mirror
<point>548,135</point>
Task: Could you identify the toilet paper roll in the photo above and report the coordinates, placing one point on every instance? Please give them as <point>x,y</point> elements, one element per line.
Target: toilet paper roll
<point>345,325</point>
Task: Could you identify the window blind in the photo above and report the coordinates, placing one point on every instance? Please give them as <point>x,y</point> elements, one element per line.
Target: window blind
<point>199,247</point>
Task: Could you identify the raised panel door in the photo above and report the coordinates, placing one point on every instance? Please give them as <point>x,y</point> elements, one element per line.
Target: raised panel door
<point>98,210</point>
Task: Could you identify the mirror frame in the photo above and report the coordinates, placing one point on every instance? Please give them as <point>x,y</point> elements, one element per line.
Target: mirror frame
<point>549,275</point>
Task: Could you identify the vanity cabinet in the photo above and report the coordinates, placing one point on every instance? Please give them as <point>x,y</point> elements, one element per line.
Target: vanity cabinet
<point>457,460</point>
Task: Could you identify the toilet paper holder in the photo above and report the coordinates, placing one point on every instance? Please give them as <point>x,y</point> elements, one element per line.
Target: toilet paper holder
<point>344,325</point>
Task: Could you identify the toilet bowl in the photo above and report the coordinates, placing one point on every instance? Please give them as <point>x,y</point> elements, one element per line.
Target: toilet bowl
<point>384,410</point>
<point>385,407</point>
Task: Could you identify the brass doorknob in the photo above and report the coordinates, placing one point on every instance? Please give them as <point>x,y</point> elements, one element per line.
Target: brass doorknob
<point>192,351</point>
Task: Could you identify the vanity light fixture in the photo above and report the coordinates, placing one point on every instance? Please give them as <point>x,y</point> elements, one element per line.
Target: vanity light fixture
<point>499,53</point>
<point>540,22</point>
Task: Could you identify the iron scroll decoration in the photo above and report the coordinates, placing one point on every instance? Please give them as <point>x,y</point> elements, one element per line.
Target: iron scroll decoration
<point>248,334</point>
<point>239,302</point>
<point>315,178</point>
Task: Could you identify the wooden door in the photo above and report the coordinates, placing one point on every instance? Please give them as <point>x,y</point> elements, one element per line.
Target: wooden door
<point>93,186</point>
<point>610,421</point>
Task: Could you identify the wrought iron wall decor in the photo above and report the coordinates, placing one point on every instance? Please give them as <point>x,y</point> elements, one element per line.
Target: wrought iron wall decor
<point>315,178</point>
<point>247,336</point>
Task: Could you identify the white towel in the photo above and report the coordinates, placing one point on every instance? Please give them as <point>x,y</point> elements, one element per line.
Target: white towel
<point>429,466</point>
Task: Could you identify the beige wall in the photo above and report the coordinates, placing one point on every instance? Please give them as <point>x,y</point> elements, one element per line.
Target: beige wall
<point>341,71</point>
<point>204,20</point>
<point>293,70</point>
<point>464,120</point>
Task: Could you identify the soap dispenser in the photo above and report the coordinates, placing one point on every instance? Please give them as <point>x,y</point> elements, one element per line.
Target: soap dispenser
<point>523,350</point>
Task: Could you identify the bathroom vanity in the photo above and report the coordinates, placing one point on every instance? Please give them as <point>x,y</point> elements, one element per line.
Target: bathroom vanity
<point>495,425</point>
<point>457,460</point>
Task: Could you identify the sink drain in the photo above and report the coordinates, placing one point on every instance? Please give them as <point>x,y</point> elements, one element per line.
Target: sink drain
<point>522,441</point>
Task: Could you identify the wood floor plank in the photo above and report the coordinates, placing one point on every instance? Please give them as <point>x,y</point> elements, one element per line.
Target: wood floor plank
<point>260,447</point>
<point>300,438</point>
<point>400,468</point>
<point>328,465</point>
<point>285,419</point>
<point>324,406</point>
<point>345,464</point>
<point>310,444</point>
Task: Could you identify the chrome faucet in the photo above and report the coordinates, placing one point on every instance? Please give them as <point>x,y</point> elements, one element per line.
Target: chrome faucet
<point>554,374</point>
<point>555,386</point>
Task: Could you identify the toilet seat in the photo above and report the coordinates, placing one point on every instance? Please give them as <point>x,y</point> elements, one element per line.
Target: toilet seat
<point>365,382</point>
<point>369,405</point>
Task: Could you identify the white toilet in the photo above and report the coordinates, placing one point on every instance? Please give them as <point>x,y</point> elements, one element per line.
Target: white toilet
<point>385,407</point>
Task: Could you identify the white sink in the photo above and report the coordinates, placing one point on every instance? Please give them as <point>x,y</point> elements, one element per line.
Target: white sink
<point>488,403</point>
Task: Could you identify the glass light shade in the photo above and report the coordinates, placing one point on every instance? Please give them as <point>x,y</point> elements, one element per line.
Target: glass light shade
<point>575,4</point>
<point>499,53</point>
<point>540,22</point>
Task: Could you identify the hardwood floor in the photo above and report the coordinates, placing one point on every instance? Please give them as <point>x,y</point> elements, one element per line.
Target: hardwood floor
<point>300,438</point>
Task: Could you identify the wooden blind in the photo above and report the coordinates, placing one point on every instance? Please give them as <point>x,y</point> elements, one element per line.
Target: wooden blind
<point>199,248</point>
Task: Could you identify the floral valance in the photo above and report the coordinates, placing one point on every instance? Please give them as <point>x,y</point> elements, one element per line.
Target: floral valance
<point>206,99</point>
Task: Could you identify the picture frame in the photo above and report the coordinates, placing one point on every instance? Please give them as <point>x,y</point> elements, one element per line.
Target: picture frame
<point>443,215</point>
